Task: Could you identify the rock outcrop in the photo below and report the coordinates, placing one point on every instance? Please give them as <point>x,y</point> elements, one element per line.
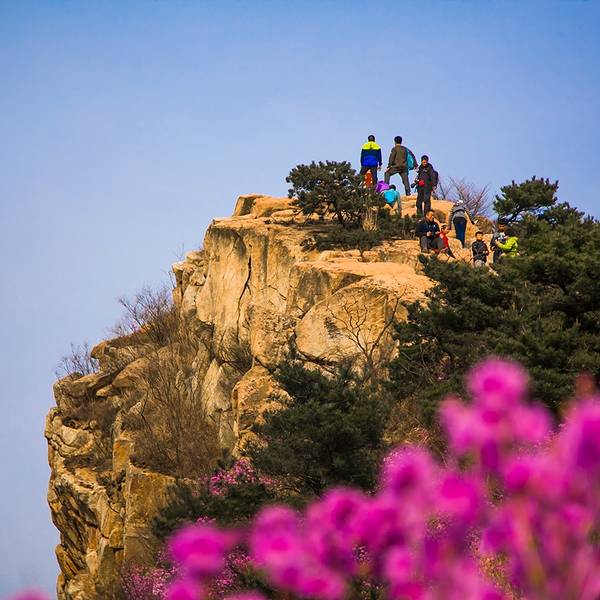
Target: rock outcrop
<point>253,297</point>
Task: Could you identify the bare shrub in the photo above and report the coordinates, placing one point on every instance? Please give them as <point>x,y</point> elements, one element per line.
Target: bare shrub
<point>77,362</point>
<point>445,189</point>
<point>148,314</point>
<point>476,198</point>
<point>173,434</point>
<point>353,321</point>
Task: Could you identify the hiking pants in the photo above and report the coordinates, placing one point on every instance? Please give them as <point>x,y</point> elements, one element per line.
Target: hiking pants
<point>403,173</point>
<point>423,200</point>
<point>431,243</point>
<point>363,172</point>
<point>460,226</point>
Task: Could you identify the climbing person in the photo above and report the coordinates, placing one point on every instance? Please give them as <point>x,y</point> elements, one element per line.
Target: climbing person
<point>401,161</point>
<point>392,199</point>
<point>428,233</point>
<point>498,235</point>
<point>370,159</point>
<point>509,247</point>
<point>444,237</point>
<point>458,218</point>
<point>426,182</point>
<point>480,250</point>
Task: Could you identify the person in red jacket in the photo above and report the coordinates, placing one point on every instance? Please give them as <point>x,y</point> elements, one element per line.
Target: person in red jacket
<point>444,238</point>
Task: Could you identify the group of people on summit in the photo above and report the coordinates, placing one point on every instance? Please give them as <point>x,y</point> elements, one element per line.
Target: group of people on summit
<point>504,241</point>
<point>401,161</point>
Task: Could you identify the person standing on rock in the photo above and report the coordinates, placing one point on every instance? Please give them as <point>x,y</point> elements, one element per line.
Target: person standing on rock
<point>480,250</point>
<point>401,161</point>
<point>370,158</point>
<point>458,218</point>
<point>426,182</point>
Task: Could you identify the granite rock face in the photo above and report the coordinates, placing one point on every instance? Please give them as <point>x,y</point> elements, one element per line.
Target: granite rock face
<point>252,297</point>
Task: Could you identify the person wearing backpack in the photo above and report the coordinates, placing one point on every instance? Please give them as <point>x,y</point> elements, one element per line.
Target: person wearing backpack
<point>458,218</point>
<point>401,161</point>
<point>426,182</point>
<point>370,159</point>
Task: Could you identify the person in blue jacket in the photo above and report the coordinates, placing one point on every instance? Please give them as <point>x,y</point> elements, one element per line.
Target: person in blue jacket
<point>370,158</point>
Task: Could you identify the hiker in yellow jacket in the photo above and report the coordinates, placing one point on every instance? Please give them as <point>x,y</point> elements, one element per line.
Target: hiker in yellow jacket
<point>370,158</point>
<point>510,246</point>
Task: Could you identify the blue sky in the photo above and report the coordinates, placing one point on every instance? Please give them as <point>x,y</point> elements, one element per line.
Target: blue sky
<point>127,126</point>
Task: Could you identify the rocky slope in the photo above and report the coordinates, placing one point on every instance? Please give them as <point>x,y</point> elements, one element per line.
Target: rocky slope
<point>253,292</point>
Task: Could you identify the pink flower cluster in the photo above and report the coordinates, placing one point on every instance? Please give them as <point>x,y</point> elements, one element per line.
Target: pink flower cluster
<point>242,472</point>
<point>147,584</point>
<point>510,488</point>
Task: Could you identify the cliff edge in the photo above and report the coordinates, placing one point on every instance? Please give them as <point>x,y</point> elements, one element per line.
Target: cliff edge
<point>254,296</point>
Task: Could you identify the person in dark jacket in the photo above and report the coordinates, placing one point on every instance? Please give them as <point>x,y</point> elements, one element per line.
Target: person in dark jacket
<point>401,161</point>
<point>428,232</point>
<point>480,250</point>
<point>426,182</point>
<point>370,158</point>
<point>458,218</point>
<point>498,236</point>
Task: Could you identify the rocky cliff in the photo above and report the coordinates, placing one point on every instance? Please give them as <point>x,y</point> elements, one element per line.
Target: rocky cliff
<point>255,292</point>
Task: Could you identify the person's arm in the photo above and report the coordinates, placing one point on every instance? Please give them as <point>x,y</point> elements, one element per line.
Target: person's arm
<point>508,245</point>
<point>379,161</point>
<point>362,156</point>
<point>450,220</point>
<point>434,177</point>
<point>392,157</point>
<point>485,249</point>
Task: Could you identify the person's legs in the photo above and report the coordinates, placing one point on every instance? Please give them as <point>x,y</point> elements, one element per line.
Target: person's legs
<point>460,226</point>
<point>424,243</point>
<point>405,181</point>
<point>374,173</point>
<point>479,263</point>
<point>419,202</point>
<point>426,199</point>
<point>388,174</point>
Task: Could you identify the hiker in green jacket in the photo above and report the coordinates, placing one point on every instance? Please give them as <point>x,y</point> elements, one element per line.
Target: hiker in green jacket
<point>510,246</point>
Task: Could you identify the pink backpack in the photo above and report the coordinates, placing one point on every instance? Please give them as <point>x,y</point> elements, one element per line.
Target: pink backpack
<point>381,187</point>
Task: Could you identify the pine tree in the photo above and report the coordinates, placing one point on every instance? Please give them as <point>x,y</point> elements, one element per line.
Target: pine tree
<point>333,186</point>
<point>329,433</point>
<point>541,308</point>
<point>530,197</point>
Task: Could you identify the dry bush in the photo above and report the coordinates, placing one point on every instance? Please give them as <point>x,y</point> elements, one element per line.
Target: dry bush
<point>148,316</point>
<point>476,198</point>
<point>77,361</point>
<point>173,433</point>
<point>353,321</point>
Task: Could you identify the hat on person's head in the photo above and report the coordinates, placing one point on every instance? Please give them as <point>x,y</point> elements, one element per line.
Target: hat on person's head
<point>459,202</point>
<point>501,221</point>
